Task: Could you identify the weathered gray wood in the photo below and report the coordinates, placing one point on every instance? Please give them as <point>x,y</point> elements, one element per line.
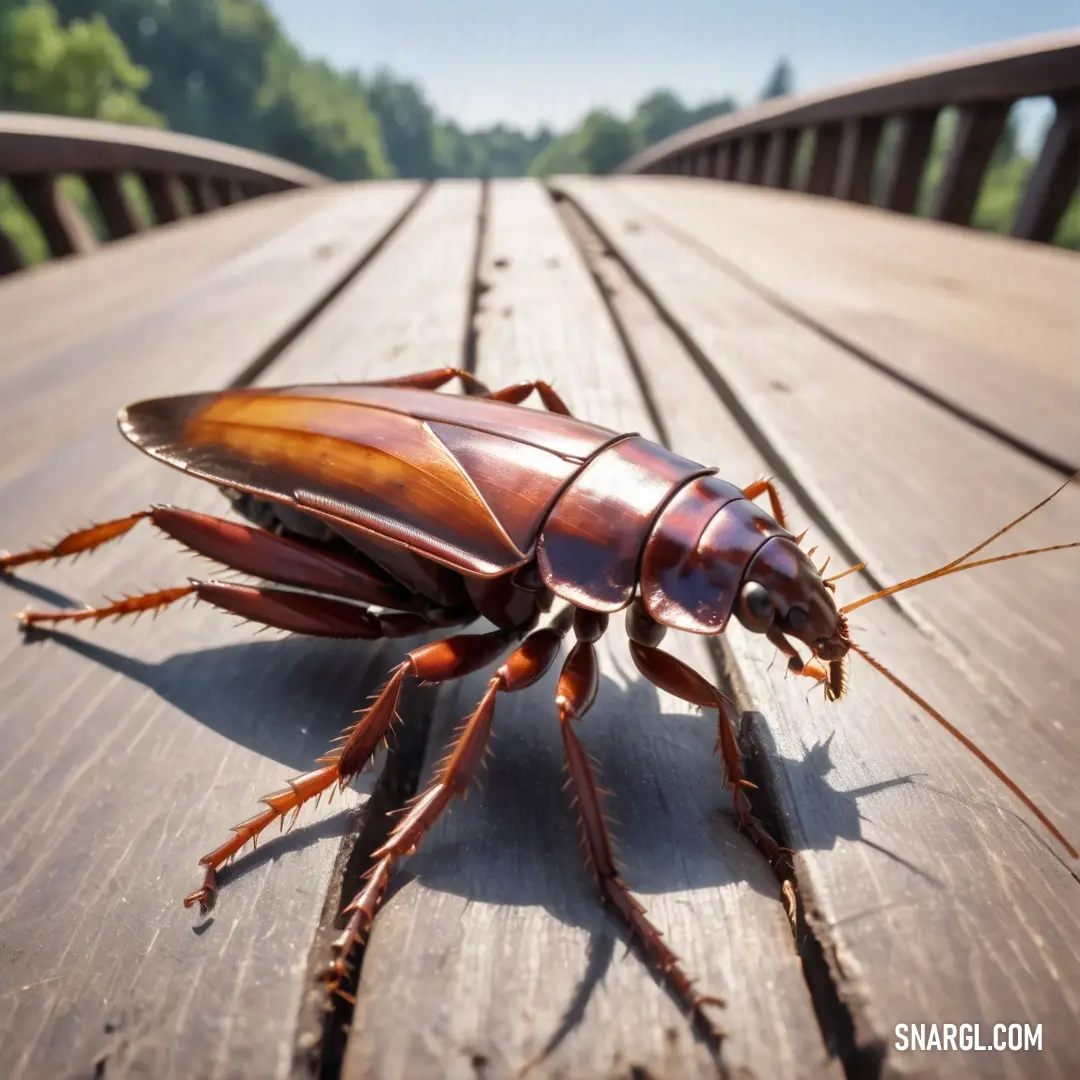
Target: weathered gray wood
<point>496,951</point>
<point>1053,180</point>
<point>973,917</point>
<point>125,754</point>
<point>977,132</point>
<point>65,230</point>
<point>121,281</point>
<point>985,324</point>
<point>855,167</point>
<point>904,169</point>
<point>120,216</point>
<point>819,180</point>
<point>239,310</point>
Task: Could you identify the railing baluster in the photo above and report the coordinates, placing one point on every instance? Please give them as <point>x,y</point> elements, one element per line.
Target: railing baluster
<point>1054,178</point>
<point>10,257</point>
<point>724,161</point>
<point>819,181</point>
<point>202,194</point>
<point>116,208</point>
<point>764,143</point>
<point>779,158</point>
<point>164,198</point>
<point>855,167</point>
<point>903,173</point>
<point>66,231</point>
<point>977,132</point>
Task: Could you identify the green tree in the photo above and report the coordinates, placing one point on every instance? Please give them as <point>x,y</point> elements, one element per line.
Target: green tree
<point>79,70</point>
<point>407,121</point>
<point>780,82</point>
<point>606,142</point>
<point>658,116</point>
<point>224,69</point>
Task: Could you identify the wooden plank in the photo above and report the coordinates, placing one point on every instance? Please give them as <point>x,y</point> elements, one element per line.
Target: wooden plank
<point>125,754</point>
<point>495,951</point>
<point>938,900</point>
<point>985,324</point>
<point>118,282</point>
<point>234,313</point>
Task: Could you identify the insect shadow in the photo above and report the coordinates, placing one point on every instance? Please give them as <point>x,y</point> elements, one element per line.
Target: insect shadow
<point>286,698</point>
<point>514,842</point>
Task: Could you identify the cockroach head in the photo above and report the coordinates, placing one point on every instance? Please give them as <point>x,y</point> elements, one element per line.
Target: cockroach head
<point>783,595</point>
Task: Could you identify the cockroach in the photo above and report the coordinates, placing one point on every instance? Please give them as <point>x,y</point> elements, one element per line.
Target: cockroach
<point>386,509</point>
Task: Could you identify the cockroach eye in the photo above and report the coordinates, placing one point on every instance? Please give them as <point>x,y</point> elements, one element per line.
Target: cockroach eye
<point>797,618</point>
<point>757,606</point>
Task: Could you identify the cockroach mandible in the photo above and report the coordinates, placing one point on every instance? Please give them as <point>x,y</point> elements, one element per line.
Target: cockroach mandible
<point>385,510</point>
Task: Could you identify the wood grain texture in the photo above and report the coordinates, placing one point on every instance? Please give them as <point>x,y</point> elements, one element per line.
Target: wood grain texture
<point>232,315</point>
<point>931,895</point>
<point>985,322</point>
<point>494,951</point>
<point>119,281</point>
<point>125,754</point>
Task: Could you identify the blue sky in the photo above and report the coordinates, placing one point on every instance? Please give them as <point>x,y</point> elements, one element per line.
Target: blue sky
<point>529,62</point>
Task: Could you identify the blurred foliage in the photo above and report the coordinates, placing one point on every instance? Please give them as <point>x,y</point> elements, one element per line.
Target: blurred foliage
<point>603,141</point>
<point>780,82</point>
<point>82,69</point>
<point>224,69</point>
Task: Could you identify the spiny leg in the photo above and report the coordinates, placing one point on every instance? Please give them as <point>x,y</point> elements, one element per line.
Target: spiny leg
<point>760,487</point>
<point>671,674</point>
<point>295,612</point>
<point>250,550</point>
<point>438,662</point>
<point>522,668</point>
<point>74,543</point>
<point>574,696</point>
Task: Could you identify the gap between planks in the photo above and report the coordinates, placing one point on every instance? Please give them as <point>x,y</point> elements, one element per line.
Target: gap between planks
<point>126,726</point>
<point>497,900</point>
<point>929,981</point>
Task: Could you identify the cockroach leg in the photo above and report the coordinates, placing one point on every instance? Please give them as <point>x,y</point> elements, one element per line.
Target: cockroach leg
<point>129,605</point>
<point>75,542</point>
<point>437,662</point>
<point>433,380</point>
<point>760,487</point>
<point>296,612</point>
<point>522,668</point>
<point>516,394</point>
<point>670,674</point>
<point>574,696</point>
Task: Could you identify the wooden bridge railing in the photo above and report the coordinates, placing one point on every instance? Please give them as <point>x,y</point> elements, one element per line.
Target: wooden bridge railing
<point>181,174</point>
<point>757,145</point>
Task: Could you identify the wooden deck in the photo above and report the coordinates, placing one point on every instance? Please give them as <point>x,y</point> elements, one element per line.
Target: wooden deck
<point>912,386</point>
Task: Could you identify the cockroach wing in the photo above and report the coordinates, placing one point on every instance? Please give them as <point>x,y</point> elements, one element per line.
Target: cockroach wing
<point>465,482</point>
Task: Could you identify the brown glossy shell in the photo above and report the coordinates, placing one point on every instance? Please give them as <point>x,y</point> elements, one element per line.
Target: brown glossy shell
<point>698,553</point>
<point>463,481</point>
<point>591,542</point>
